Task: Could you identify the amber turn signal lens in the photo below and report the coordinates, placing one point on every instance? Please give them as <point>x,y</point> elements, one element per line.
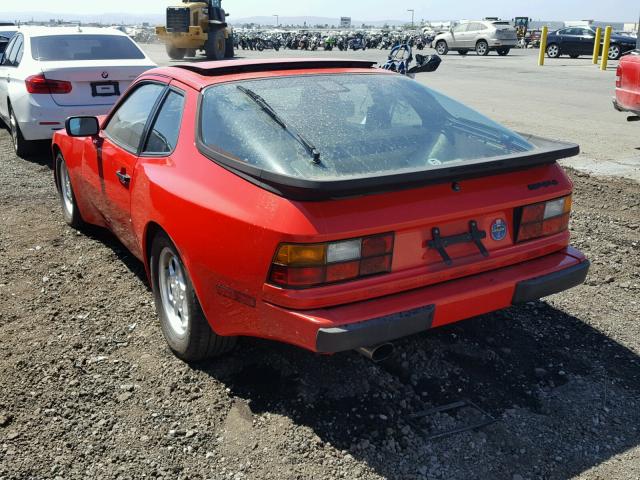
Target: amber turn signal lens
<point>301,255</point>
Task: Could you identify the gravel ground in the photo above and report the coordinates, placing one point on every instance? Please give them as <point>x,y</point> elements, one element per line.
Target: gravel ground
<point>89,389</point>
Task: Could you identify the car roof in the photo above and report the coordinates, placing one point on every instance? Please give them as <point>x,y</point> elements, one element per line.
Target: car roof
<point>199,75</point>
<point>38,31</point>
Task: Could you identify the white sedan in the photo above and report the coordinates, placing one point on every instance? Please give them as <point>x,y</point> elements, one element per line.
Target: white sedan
<point>48,74</point>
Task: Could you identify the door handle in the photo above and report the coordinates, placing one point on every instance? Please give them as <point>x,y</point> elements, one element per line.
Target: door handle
<point>123,177</point>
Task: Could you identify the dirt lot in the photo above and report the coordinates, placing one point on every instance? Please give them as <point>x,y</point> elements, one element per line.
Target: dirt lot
<point>89,389</point>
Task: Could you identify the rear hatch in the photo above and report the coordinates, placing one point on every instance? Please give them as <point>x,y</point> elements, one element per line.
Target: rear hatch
<point>504,31</point>
<point>455,228</point>
<point>91,84</point>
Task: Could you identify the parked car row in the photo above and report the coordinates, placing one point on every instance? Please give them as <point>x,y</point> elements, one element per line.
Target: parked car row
<point>579,41</point>
<point>50,73</point>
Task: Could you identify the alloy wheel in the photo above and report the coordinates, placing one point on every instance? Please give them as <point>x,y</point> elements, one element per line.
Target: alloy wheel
<point>173,291</point>
<point>14,130</point>
<point>481,48</point>
<point>614,52</point>
<point>65,188</point>
<point>553,51</point>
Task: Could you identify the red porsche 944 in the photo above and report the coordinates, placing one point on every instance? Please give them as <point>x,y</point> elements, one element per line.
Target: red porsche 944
<point>323,203</point>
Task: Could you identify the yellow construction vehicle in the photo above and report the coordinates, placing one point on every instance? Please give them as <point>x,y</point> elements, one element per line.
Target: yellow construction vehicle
<point>193,26</point>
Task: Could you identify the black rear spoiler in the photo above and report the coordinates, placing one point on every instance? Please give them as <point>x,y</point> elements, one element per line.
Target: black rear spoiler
<point>546,152</point>
<point>234,66</point>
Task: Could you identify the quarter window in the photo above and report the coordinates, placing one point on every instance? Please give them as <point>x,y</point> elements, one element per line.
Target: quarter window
<point>164,133</point>
<point>126,126</point>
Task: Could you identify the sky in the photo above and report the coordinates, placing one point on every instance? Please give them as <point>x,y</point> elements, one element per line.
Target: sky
<point>609,10</point>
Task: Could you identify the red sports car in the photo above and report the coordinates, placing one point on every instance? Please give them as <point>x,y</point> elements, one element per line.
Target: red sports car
<point>324,203</point>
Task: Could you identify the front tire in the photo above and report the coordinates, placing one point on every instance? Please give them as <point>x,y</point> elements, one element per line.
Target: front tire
<point>442,48</point>
<point>182,320</point>
<point>482,48</point>
<point>22,147</point>
<point>66,195</point>
<point>553,50</point>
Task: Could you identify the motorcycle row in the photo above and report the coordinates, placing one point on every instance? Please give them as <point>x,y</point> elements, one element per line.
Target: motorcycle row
<point>321,41</point>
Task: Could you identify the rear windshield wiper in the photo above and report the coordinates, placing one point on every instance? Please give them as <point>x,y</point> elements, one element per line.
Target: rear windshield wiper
<point>268,109</point>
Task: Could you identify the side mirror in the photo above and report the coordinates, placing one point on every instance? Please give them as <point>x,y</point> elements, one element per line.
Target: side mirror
<point>82,126</point>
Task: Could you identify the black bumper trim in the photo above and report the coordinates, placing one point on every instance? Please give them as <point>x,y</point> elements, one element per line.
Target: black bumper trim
<point>536,288</point>
<point>375,331</point>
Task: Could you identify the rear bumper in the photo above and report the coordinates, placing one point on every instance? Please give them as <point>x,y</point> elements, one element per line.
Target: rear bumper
<point>621,108</point>
<point>345,327</point>
<point>41,118</point>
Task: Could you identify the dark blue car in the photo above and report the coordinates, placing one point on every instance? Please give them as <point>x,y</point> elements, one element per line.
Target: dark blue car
<point>576,41</point>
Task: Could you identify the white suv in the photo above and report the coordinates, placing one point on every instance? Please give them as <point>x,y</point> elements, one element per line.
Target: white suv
<point>50,73</point>
<point>481,36</point>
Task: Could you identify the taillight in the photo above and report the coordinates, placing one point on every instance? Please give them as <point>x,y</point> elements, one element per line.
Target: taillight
<point>310,265</point>
<point>619,77</point>
<point>41,84</point>
<point>545,218</point>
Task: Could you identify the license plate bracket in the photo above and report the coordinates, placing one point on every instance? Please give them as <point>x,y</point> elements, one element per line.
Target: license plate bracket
<point>440,243</point>
<point>105,89</point>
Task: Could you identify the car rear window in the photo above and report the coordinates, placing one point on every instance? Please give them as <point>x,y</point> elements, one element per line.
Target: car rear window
<point>358,125</point>
<point>84,47</point>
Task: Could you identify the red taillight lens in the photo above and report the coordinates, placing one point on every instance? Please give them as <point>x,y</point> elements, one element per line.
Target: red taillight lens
<point>619,77</point>
<point>40,84</point>
<point>543,219</point>
<point>309,265</point>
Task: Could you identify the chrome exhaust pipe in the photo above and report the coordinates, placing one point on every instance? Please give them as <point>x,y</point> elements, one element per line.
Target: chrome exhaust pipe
<point>376,353</point>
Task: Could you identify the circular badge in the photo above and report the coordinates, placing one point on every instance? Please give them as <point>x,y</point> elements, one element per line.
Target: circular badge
<point>498,229</point>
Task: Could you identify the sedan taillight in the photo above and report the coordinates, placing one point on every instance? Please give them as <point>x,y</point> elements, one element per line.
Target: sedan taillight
<point>311,265</point>
<point>543,219</point>
<point>40,84</point>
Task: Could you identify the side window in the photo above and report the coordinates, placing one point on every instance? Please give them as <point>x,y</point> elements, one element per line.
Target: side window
<point>19,54</point>
<point>17,49</point>
<point>126,126</point>
<point>8,50</point>
<point>460,28</point>
<point>163,136</point>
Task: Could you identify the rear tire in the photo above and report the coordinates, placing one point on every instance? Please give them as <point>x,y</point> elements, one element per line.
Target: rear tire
<point>615,52</point>
<point>23,148</point>
<point>503,51</point>
<point>66,195</point>
<point>228,47</point>
<point>176,53</point>
<point>442,48</point>
<point>553,50</point>
<point>183,323</point>
<point>482,48</point>
<point>215,45</point>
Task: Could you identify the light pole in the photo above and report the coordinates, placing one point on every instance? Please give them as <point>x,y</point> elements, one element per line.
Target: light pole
<point>277,20</point>
<point>412,13</point>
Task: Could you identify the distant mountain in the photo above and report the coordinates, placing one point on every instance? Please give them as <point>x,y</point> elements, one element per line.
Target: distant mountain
<point>158,19</point>
<point>104,18</point>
